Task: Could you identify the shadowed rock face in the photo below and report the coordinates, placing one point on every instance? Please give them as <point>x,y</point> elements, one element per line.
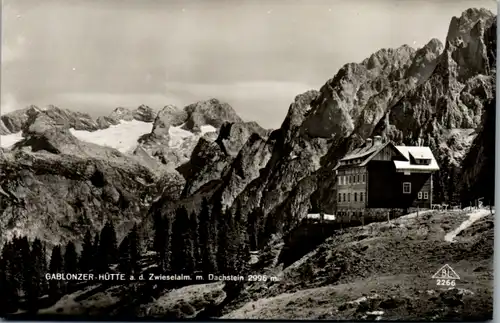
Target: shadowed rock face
<point>144,113</point>
<point>15,120</point>
<point>19,120</point>
<point>56,187</point>
<point>59,197</point>
<point>437,94</point>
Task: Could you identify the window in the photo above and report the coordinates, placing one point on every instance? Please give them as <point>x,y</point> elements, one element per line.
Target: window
<point>364,178</point>
<point>350,179</point>
<point>348,197</point>
<point>361,197</point>
<point>340,197</point>
<point>406,188</point>
<point>357,179</point>
<point>419,195</point>
<point>426,195</point>
<point>355,197</point>
<point>344,197</point>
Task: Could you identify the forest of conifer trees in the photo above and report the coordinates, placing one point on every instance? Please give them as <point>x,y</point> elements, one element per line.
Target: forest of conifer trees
<point>208,242</point>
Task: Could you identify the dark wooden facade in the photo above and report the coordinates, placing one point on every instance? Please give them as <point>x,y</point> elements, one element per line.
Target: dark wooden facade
<point>385,187</point>
<point>369,179</point>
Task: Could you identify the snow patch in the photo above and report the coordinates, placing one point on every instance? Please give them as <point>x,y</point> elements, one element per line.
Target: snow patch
<point>473,217</point>
<point>9,140</point>
<point>207,128</point>
<point>122,136</point>
<point>328,217</point>
<point>178,136</point>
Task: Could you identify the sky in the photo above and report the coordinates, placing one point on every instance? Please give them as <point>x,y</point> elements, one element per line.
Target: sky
<point>257,55</point>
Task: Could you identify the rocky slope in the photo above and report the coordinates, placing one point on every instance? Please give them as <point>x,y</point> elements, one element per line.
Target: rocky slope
<point>204,119</point>
<point>381,271</point>
<point>435,94</point>
<point>52,179</point>
<point>59,197</point>
<point>16,121</point>
<point>56,187</point>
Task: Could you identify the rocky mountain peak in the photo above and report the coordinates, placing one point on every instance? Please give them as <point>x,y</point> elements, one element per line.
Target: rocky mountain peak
<point>434,45</point>
<point>169,116</point>
<point>425,60</point>
<point>121,113</point>
<point>210,112</point>
<point>460,27</point>
<point>3,129</point>
<point>39,120</point>
<point>387,59</point>
<point>144,113</point>
<point>14,121</point>
<point>232,136</point>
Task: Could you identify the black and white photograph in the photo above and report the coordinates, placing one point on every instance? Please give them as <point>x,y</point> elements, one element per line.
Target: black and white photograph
<point>247,160</point>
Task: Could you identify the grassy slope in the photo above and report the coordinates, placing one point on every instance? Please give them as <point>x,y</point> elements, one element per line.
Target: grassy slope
<point>391,265</point>
<point>379,267</point>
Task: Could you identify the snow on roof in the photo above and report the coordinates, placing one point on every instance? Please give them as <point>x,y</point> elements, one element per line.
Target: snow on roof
<point>417,152</point>
<point>364,151</point>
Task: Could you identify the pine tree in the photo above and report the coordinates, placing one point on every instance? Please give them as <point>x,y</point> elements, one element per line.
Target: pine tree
<point>228,244</point>
<point>124,257</point>
<point>37,269</point>
<point>113,243</point>
<point>95,253</point>
<point>87,254</point>
<point>17,267</point>
<point>243,252</point>
<point>196,240</point>
<point>253,228</point>
<point>70,264</point>
<point>207,240</point>
<point>129,253</point>
<point>107,252</point>
<point>27,269</point>
<point>56,266</point>
<point>183,261</point>
<point>70,259</point>
<point>162,242</point>
<point>135,250</point>
<point>9,296</point>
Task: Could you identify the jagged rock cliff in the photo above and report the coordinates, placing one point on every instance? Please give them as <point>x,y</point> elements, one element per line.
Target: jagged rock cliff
<point>51,179</point>
<point>59,197</point>
<point>204,119</point>
<point>435,94</point>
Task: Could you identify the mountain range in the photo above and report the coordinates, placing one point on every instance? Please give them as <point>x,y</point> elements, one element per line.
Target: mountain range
<point>63,173</point>
<point>439,94</point>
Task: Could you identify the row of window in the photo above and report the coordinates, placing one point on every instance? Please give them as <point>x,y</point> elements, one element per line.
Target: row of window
<point>342,197</point>
<point>351,179</point>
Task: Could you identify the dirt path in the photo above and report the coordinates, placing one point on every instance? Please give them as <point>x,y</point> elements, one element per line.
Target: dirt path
<point>473,217</point>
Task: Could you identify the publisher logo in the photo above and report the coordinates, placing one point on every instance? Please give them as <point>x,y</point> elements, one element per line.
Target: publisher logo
<point>446,276</point>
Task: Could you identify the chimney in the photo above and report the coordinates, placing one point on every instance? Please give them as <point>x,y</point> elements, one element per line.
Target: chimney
<point>377,140</point>
<point>369,142</point>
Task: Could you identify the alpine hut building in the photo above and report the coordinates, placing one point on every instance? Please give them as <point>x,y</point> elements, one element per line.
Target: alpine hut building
<point>379,179</point>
